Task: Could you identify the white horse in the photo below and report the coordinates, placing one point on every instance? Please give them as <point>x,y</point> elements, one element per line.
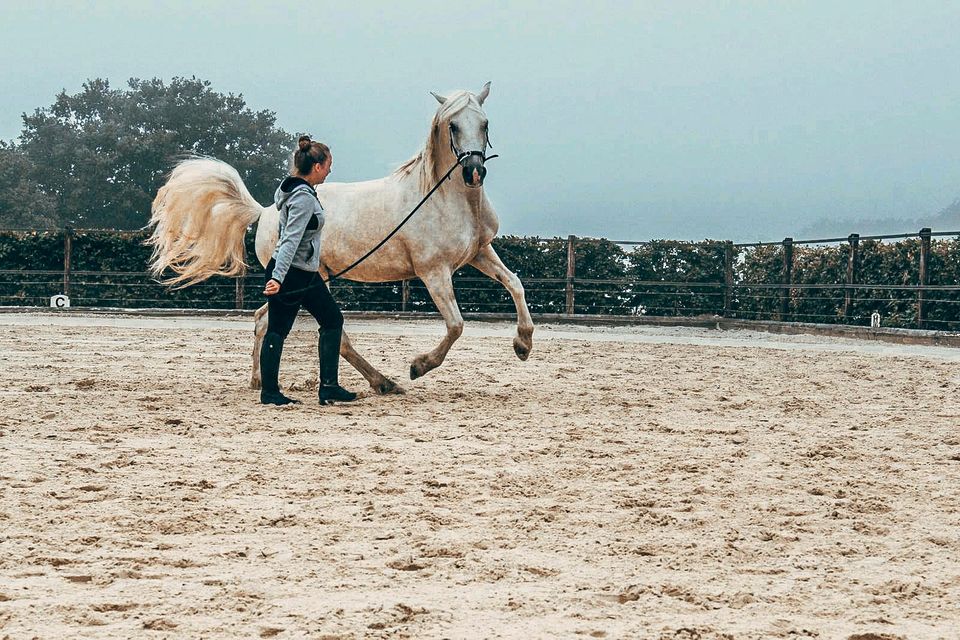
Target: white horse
<point>200,215</point>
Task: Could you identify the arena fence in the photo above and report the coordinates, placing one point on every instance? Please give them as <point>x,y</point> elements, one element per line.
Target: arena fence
<point>909,280</point>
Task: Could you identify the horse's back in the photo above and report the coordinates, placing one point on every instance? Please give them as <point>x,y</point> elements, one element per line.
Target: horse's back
<point>357,216</point>
<point>361,214</point>
<point>344,201</point>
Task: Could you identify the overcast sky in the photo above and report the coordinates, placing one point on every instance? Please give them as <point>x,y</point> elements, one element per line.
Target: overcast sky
<point>627,120</point>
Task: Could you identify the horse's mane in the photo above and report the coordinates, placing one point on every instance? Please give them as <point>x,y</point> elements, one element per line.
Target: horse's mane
<point>426,161</point>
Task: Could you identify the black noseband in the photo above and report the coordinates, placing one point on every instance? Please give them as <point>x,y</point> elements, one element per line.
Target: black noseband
<point>465,155</point>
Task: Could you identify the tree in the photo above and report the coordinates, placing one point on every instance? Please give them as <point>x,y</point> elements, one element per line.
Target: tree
<point>22,204</point>
<point>100,155</point>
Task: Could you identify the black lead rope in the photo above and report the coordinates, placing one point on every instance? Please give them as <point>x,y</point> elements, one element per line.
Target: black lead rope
<point>323,282</point>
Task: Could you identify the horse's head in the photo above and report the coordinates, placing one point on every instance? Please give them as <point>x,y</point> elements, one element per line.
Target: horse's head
<point>461,125</point>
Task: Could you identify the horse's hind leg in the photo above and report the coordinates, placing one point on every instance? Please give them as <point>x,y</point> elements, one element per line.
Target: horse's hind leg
<point>488,262</point>
<point>440,285</point>
<point>259,331</point>
<point>380,383</point>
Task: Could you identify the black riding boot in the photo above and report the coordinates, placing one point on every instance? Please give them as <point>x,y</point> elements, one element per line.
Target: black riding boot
<point>328,348</point>
<point>270,354</point>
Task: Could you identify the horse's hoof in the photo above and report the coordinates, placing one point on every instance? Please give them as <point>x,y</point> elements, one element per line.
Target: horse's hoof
<point>388,386</point>
<point>522,350</point>
<point>255,383</point>
<point>419,367</point>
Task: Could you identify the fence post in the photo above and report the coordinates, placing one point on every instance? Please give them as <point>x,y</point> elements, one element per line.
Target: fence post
<point>786,279</point>
<point>240,281</point>
<point>67,258</point>
<point>571,272</point>
<point>727,278</point>
<point>924,276</point>
<point>404,295</point>
<point>854,241</point>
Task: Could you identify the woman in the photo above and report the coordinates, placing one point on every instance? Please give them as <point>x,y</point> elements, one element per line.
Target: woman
<point>293,281</point>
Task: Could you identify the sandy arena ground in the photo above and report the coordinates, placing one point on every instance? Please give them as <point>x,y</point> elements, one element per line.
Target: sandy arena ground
<point>622,483</point>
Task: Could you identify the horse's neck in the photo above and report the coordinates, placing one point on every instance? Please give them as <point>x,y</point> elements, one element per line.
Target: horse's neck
<point>471,206</point>
<point>473,198</point>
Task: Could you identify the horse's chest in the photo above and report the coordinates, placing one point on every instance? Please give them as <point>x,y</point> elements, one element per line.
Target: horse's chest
<point>463,246</point>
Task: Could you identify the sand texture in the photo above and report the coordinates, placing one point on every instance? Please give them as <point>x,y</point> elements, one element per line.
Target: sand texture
<point>622,483</point>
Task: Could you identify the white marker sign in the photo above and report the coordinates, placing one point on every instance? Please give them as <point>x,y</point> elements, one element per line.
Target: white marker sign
<point>60,302</point>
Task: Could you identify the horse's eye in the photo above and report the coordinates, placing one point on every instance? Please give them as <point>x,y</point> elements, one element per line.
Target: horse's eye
<point>454,128</point>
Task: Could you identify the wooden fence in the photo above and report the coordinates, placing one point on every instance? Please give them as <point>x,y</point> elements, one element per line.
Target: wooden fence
<point>564,292</point>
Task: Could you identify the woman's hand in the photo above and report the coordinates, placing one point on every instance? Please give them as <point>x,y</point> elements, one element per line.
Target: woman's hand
<point>272,287</point>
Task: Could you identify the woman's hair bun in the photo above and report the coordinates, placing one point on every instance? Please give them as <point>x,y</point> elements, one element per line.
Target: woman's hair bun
<point>309,152</point>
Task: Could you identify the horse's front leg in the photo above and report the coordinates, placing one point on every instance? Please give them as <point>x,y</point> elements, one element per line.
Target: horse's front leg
<point>259,331</point>
<point>489,263</point>
<point>380,383</point>
<point>440,285</point>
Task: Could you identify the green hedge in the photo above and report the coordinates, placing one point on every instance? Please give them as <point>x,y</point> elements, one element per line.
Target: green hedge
<point>672,261</point>
<point>663,277</point>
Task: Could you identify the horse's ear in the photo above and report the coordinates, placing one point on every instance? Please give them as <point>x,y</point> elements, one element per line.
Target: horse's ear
<point>483,93</point>
<point>440,99</point>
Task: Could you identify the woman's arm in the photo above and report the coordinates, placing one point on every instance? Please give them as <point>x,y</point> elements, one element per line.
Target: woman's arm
<point>300,207</point>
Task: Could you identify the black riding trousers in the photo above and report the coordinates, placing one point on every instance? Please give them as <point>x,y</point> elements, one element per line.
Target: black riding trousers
<point>301,289</point>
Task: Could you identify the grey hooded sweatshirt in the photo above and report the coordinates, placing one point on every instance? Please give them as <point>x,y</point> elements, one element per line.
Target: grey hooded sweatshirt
<point>301,219</point>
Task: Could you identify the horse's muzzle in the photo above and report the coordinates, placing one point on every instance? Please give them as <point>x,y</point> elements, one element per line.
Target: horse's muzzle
<point>473,171</point>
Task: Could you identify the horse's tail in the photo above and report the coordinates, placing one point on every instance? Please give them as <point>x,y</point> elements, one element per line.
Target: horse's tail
<point>199,219</point>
